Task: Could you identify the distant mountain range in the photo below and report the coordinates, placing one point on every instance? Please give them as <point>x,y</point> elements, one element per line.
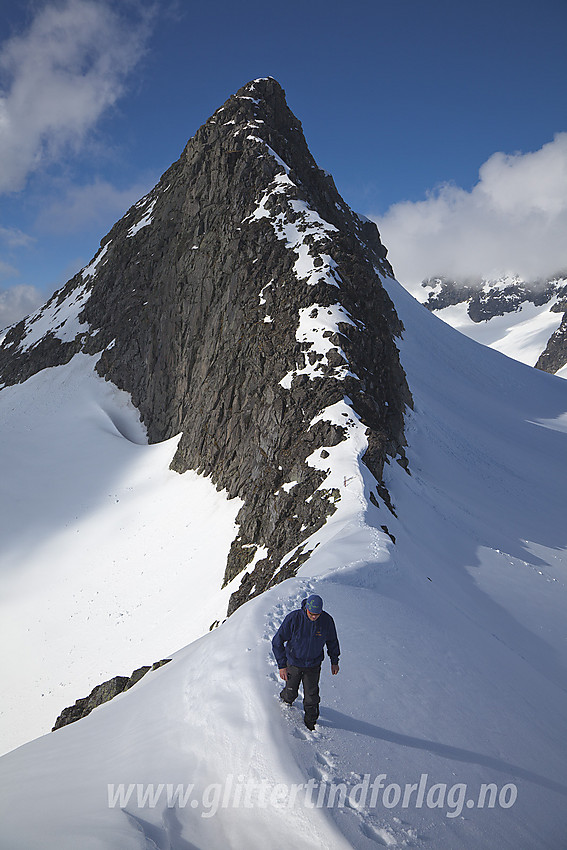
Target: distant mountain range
<point>526,320</point>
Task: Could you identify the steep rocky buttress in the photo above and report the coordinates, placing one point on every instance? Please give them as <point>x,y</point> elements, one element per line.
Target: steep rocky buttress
<point>237,302</point>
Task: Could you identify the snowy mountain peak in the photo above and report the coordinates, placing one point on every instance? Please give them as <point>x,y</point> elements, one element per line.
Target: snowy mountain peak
<point>240,304</point>
<point>260,101</point>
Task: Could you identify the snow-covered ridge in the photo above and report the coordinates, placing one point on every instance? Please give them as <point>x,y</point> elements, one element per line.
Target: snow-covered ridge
<point>90,270</point>
<point>317,325</point>
<point>452,659</point>
<point>294,227</point>
<point>305,213</point>
<point>58,317</point>
<point>306,234</point>
<point>147,208</point>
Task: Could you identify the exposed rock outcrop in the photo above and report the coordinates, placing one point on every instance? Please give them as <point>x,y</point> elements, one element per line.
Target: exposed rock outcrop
<point>103,693</point>
<point>554,357</point>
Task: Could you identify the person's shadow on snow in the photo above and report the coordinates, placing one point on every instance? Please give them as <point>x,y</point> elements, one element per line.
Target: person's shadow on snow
<point>337,720</point>
<point>165,837</point>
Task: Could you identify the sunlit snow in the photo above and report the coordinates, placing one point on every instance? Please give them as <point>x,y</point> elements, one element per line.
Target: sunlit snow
<point>453,642</point>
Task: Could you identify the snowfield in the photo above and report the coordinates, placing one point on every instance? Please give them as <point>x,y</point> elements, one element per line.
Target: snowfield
<point>100,541</point>
<point>447,723</point>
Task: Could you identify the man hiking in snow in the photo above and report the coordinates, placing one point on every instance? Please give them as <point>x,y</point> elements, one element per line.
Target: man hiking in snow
<point>299,649</point>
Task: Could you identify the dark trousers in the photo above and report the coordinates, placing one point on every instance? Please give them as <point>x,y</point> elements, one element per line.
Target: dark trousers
<point>309,677</point>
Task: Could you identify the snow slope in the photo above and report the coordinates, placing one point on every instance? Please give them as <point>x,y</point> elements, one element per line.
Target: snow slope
<point>99,546</point>
<point>452,667</point>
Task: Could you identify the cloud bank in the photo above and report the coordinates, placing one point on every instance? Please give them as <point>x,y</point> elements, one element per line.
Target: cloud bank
<point>58,78</point>
<point>513,221</point>
<point>17,302</point>
<point>14,238</point>
<point>96,204</point>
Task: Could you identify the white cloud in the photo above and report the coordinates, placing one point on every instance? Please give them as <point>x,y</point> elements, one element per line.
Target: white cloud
<point>514,220</point>
<point>7,270</point>
<point>15,238</point>
<point>97,204</point>
<point>63,72</point>
<point>17,302</point>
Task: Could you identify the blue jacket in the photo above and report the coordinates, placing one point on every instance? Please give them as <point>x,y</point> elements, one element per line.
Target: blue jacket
<point>300,642</point>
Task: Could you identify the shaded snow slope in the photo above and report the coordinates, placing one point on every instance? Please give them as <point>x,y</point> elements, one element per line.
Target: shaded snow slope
<point>452,665</point>
<point>108,560</point>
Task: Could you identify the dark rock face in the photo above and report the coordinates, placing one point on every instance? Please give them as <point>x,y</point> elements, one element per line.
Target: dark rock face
<point>554,357</point>
<point>103,693</point>
<point>448,293</point>
<point>235,302</point>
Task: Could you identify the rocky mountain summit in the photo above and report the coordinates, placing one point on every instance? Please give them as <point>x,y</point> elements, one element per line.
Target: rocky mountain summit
<point>240,304</point>
<point>487,299</point>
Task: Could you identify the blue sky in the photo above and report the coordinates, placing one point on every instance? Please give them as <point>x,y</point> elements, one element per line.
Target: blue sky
<point>403,102</point>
